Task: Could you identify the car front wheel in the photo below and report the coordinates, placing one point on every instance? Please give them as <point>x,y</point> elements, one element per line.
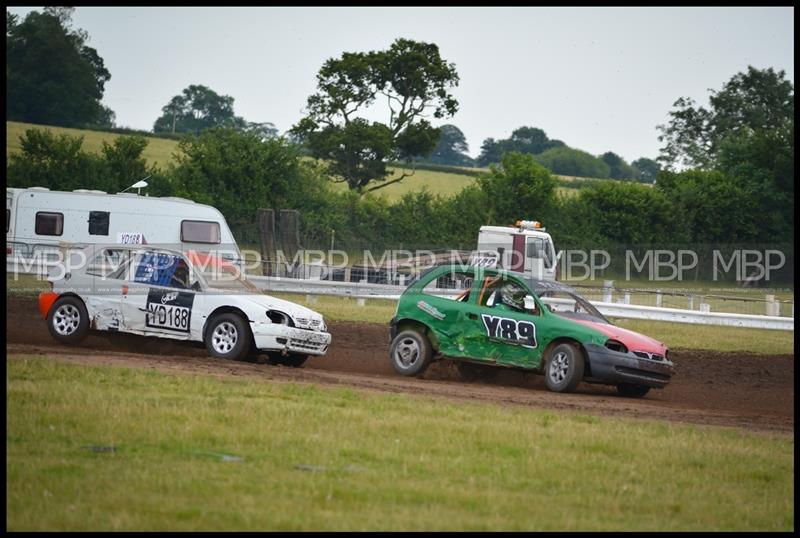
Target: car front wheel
<point>227,337</point>
<point>411,353</point>
<point>68,320</point>
<point>564,368</point>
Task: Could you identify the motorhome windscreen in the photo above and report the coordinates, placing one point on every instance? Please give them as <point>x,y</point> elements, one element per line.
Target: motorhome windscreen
<point>197,231</point>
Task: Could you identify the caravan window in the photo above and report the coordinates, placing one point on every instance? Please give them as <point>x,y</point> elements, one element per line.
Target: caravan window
<point>98,222</point>
<point>196,231</point>
<point>49,223</point>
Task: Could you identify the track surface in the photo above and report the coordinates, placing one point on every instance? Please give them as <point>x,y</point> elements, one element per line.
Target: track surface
<point>754,392</point>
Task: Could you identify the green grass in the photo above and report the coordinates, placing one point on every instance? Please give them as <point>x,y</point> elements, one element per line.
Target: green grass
<point>158,150</point>
<point>317,458</point>
<point>440,183</point>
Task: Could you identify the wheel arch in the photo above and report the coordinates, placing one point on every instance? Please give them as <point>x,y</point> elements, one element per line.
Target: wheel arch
<point>572,341</point>
<point>226,309</point>
<point>410,324</point>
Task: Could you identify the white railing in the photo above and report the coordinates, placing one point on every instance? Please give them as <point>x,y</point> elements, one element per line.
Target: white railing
<point>363,291</point>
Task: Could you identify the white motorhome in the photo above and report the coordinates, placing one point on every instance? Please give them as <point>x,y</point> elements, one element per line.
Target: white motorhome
<point>524,247</point>
<point>39,221</point>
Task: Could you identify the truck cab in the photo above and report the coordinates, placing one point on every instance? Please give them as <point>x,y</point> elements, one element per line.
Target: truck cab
<point>525,248</point>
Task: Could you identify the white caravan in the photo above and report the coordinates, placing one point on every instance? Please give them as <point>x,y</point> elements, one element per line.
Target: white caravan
<point>39,221</point>
<point>525,248</point>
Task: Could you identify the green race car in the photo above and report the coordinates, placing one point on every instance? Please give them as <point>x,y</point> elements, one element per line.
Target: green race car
<point>490,317</point>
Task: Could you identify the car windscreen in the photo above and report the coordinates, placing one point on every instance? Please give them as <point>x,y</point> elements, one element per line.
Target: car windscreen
<point>571,305</point>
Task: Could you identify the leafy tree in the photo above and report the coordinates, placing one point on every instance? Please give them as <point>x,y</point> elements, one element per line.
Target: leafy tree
<point>124,161</point>
<point>236,172</point>
<point>264,130</point>
<point>413,79</point>
<point>618,168</point>
<point>196,109</point>
<point>712,207</point>
<point>754,100</point>
<point>573,162</point>
<point>627,213</point>
<point>52,76</point>
<point>524,139</point>
<point>517,187</point>
<point>647,169</point>
<point>451,149</point>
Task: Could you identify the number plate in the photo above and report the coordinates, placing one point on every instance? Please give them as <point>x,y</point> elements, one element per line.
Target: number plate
<point>308,336</point>
<point>170,310</point>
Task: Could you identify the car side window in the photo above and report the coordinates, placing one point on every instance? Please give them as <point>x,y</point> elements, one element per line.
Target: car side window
<point>504,294</point>
<point>162,269</point>
<point>455,286</point>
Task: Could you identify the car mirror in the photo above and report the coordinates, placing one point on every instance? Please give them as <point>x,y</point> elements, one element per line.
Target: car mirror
<point>530,304</point>
<point>196,285</point>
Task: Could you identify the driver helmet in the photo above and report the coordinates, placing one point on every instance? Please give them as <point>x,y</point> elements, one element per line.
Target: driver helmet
<point>513,295</point>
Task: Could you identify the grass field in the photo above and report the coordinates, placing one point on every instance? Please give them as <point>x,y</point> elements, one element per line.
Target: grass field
<point>158,150</point>
<point>195,452</point>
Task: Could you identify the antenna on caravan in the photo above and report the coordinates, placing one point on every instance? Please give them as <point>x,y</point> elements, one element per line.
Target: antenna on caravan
<point>139,185</point>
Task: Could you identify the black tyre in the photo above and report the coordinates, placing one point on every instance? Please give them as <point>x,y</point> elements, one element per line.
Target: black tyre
<point>68,320</point>
<point>564,368</point>
<point>476,372</point>
<point>410,353</point>
<point>293,360</point>
<point>227,337</point>
<point>632,391</point>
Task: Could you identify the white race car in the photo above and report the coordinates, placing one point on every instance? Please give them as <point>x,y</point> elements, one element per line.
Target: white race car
<point>167,293</point>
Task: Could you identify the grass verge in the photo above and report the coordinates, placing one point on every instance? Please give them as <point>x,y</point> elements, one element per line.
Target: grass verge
<point>196,452</point>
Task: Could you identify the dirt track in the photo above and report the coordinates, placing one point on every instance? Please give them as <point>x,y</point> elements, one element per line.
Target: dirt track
<point>755,392</point>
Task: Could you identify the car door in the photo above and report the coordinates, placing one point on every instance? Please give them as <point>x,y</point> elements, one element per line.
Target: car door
<point>158,300</point>
<point>511,334</point>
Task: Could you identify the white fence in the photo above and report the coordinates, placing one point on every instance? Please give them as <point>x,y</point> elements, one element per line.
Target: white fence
<point>363,291</point>
<point>616,310</point>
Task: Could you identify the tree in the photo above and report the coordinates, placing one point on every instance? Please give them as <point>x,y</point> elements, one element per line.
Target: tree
<point>451,149</point>
<point>573,162</point>
<point>530,140</point>
<point>52,76</point>
<point>196,109</point>
<point>750,101</point>
<point>413,79</point>
<point>618,168</point>
<point>646,169</point>
<point>236,172</point>
<point>517,187</point>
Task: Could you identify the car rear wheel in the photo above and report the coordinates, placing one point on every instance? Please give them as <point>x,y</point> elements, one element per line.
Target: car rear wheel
<point>411,353</point>
<point>564,368</point>
<point>68,320</point>
<point>227,337</point>
<point>632,391</point>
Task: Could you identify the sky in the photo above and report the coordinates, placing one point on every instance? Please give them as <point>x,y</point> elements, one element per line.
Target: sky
<point>599,79</point>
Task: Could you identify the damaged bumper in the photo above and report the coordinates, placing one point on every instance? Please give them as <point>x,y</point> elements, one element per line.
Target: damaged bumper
<point>275,337</point>
<point>613,367</point>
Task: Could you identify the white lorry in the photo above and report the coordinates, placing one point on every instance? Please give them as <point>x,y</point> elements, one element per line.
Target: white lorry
<point>39,221</point>
<point>525,248</point>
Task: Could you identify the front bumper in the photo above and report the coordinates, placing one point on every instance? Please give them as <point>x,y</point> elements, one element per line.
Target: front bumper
<point>613,367</point>
<point>276,337</point>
